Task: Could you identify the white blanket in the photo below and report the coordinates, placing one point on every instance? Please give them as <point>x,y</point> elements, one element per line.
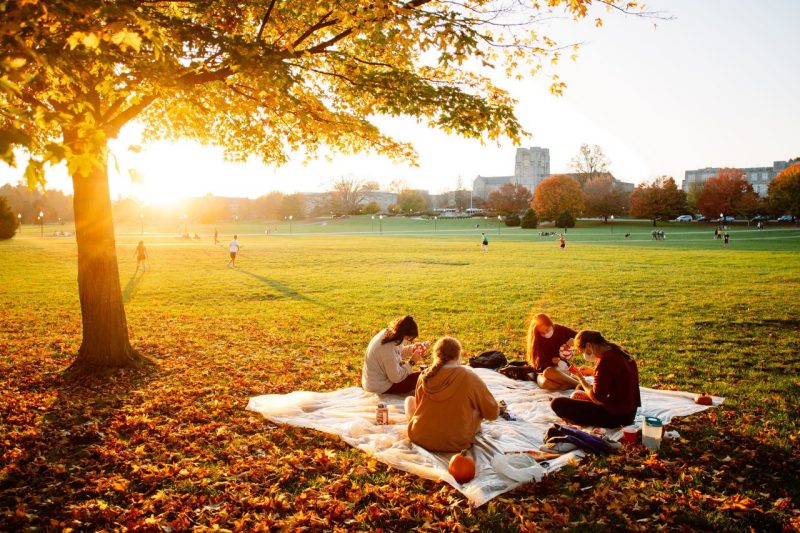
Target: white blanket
<point>350,413</point>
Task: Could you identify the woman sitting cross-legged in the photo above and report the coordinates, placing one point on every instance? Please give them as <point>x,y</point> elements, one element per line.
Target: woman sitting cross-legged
<point>384,371</point>
<point>614,398</point>
<point>545,340</point>
<point>450,402</point>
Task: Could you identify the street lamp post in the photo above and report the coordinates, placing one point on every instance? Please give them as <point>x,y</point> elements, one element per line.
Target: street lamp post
<point>41,223</point>
<point>373,224</point>
<point>380,223</point>
<point>141,219</point>
<point>19,221</point>
<point>434,223</point>
<point>612,223</point>
<point>290,223</point>
<point>499,221</point>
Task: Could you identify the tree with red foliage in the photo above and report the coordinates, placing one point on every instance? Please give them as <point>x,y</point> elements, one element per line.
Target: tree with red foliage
<point>557,194</point>
<point>659,199</point>
<point>603,199</point>
<point>784,191</point>
<point>727,193</point>
<point>509,199</point>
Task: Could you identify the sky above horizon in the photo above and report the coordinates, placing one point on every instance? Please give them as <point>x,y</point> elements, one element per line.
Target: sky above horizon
<point>714,86</point>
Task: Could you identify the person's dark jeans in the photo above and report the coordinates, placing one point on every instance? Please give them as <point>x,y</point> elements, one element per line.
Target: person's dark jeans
<point>407,385</point>
<point>586,413</point>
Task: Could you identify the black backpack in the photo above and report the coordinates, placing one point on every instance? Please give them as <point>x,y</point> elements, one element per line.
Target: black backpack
<point>489,359</point>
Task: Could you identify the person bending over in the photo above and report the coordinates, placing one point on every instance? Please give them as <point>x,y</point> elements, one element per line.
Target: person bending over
<point>614,397</point>
<point>450,402</point>
<point>545,341</point>
<point>384,370</point>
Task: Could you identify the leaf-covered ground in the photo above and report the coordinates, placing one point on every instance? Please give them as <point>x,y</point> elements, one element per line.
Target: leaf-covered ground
<point>172,448</point>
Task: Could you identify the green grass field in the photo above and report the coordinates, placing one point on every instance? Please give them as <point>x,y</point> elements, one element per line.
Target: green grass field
<point>174,447</point>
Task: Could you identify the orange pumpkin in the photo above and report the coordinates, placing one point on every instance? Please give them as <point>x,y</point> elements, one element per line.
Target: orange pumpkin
<point>703,399</point>
<point>462,467</point>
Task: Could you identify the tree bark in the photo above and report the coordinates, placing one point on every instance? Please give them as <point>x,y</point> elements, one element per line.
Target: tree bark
<point>105,345</point>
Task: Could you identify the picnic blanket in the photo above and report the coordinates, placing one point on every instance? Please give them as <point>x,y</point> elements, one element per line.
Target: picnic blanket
<point>350,414</point>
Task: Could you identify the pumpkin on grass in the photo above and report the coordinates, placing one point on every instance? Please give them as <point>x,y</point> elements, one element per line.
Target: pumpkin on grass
<point>462,467</point>
<point>703,399</point>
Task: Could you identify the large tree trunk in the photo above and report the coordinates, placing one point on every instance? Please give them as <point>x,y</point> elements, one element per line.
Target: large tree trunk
<point>105,344</point>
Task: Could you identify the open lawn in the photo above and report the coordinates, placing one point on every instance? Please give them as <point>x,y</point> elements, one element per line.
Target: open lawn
<point>172,448</point>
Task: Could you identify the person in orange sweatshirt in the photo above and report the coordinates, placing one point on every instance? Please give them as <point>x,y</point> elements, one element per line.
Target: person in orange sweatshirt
<point>450,402</point>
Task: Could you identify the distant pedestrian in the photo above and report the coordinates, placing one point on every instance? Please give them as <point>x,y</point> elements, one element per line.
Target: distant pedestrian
<point>216,236</point>
<point>233,248</point>
<point>726,239</point>
<point>141,257</point>
<point>716,233</point>
<point>562,242</point>
<point>484,243</point>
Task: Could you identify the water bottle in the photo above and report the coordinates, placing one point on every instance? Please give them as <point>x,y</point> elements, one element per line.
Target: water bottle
<point>382,414</point>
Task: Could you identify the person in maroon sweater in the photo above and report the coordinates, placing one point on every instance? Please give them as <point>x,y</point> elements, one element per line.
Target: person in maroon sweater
<point>614,398</point>
<point>545,340</point>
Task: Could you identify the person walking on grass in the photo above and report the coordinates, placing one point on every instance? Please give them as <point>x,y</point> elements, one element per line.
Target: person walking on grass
<point>141,257</point>
<point>562,242</point>
<point>484,243</point>
<point>233,248</point>
<point>216,236</point>
<point>725,239</point>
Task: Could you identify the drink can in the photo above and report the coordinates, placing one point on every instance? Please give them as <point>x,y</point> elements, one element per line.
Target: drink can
<point>382,414</point>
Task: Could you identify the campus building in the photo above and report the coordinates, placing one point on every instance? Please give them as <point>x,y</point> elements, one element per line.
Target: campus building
<point>531,166</point>
<point>759,177</point>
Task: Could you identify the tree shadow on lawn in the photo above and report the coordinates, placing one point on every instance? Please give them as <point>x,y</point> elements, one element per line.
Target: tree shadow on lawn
<point>64,449</point>
<point>283,289</point>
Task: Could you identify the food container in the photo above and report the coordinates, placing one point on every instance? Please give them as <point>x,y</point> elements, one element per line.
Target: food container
<point>652,431</point>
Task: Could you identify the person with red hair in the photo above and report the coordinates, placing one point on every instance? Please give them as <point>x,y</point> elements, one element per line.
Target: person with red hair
<point>545,341</point>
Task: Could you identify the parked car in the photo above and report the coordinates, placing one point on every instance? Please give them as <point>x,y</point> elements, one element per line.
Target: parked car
<point>727,218</point>
<point>786,218</point>
<point>759,218</point>
<point>684,218</point>
<point>699,218</point>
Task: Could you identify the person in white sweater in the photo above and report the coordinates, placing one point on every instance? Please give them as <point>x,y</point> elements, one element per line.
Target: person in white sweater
<point>384,370</point>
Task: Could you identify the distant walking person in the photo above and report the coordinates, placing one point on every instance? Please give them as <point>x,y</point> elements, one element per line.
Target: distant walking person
<point>725,239</point>
<point>141,257</point>
<point>484,243</point>
<point>216,236</point>
<point>562,242</point>
<point>233,248</point>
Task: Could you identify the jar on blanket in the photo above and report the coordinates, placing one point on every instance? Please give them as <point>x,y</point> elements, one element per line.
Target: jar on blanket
<point>382,414</point>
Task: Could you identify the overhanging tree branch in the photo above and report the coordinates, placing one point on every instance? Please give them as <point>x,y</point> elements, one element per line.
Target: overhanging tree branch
<point>265,20</point>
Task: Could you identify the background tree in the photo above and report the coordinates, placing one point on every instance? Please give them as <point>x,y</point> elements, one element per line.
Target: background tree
<point>512,220</point>
<point>557,194</point>
<point>348,193</point>
<point>529,219</point>
<point>565,219</point>
<point>293,205</point>
<point>411,201</point>
<point>784,192</point>
<point>602,198</point>
<point>590,163</point>
<point>660,198</point>
<point>8,220</point>
<point>269,205</point>
<point>509,199</point>
<point>257,77</point>
<point>371,208</point>
<point>728,193</point>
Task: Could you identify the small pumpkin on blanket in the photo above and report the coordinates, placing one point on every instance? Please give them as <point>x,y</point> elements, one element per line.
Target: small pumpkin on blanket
<point>462,467</point>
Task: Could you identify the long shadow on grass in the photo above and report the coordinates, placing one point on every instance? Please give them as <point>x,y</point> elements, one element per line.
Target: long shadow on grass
<point>130,289</point>
<point>283,289</point>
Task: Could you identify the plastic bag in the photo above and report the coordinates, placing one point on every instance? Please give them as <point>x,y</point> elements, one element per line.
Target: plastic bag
<point>518,467</point>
